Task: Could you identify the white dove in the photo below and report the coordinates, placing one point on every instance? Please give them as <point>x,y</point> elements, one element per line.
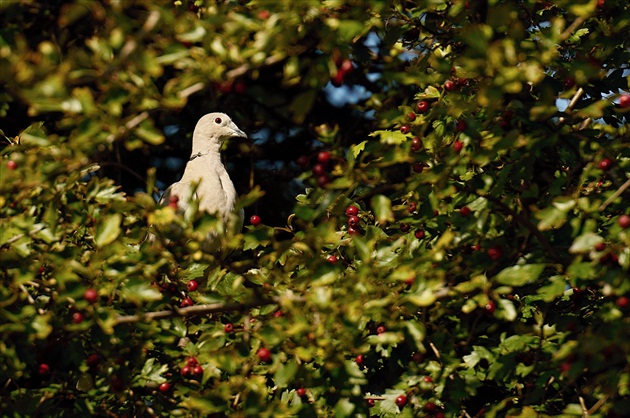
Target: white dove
<point>215,191</point>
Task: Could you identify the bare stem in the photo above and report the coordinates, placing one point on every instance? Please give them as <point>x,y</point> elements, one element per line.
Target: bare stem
<point>615,195</point>
<point>190,311</point>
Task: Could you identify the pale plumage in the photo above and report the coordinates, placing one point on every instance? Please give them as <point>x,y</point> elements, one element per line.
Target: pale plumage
<point>215,191</point>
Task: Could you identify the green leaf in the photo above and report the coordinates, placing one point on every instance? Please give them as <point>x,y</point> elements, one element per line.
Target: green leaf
<point>554,289</point>
<point>422,299</point>
<point>108,230</point>
<point>390,137</point>
<point>285,374</point>
<point>520,275</point>
<point>382,207</point>
<point>585,243</point>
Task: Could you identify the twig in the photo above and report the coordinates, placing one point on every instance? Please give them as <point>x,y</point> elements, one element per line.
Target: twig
<point>190,311</point>
<point>568,31</point>
<point>597,405</point>
<point>20,236</point>
<point>615,195</point>
<point>435,350</point>
<point>578,94</point>
<point>132,123</point>
<point>189,91</point>
<point>584,409</point>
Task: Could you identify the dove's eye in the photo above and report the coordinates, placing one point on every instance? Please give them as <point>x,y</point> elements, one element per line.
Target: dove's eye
<point>218,121</point>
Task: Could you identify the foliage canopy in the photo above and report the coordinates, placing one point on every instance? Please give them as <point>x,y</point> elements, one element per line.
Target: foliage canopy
<point>482,272</point>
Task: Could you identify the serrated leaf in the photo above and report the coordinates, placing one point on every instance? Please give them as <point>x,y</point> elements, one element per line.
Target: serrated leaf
<point>390,137</point>
<point>108,230</point>
<point>520,275</point>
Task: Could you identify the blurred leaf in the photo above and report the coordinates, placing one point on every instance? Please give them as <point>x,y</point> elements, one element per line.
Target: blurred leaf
<point>520,275</point>
<point>107,230</point>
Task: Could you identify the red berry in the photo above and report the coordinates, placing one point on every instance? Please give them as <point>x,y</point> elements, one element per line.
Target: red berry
<point>197,370</point>
<point>600,246</point>
<point>359,359</point>
<point>416,144</point>
<point>228,328</point>
<point>77,317</point>
<point>192,361</point>
<point>332,259</point>
<point>185,371</point>
<point>278,314</point>
<point>430,407</point>
<point>458,146</point>
<point>490,307</point>
<point>192,286</point>
<point>624,221</point>
<point>370,402</point>
<point>461,125</point>
<point>301,392</point>
<point>381,329</point>
<point>417,167</point>
<point>465,211</point>
<point>412,206</point>
<point>93,360</point>
<point>405,227</point>
<point>422,106</point>
<point>90,295</point>
<point>319,169</point>
<point>411,116</point>
<point>346,66</point>
<point>419,234</point>
<point>323,180</point>
<point>323,156</point>
<point>172,202</point>
<point>353,220</point>
<point>624,100</point>
<point>405,129</point>
<point>164,387</point>
<point>401,401</point>
<point>352,210</point>
<point>495,253</point>
<point>43,369</point>
<point>427,379</point>
<point>186,302</point>
<point>264,354</point>
<point>264,14</point>
<point>353,231</point>
<point>338,79</point>
<point>605,164</point>
<point>255,220</point>
<point>622,302</point>
<point>11,165</point>
<point>449,85</point>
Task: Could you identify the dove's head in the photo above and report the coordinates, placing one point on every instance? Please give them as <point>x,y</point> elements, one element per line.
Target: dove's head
<point>216,127</point>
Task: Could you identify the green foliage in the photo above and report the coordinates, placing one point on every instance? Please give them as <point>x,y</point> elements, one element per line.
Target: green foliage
<point>487,274</point>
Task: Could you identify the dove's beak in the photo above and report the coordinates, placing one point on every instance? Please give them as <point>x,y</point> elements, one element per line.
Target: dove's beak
<point>237,131</point>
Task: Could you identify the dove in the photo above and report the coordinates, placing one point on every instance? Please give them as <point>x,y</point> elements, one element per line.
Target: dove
<point>214,190</point>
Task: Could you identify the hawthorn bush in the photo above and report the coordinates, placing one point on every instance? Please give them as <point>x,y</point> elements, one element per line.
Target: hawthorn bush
<point>451,238</point>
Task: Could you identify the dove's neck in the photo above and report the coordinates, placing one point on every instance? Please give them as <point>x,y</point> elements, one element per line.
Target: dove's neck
<point>205,148</point>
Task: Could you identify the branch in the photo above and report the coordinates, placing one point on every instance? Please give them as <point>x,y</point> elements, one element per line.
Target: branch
<point>132,123</point>
<point>191,311</point>
<point>615,195</point>
<point>568,31</point>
